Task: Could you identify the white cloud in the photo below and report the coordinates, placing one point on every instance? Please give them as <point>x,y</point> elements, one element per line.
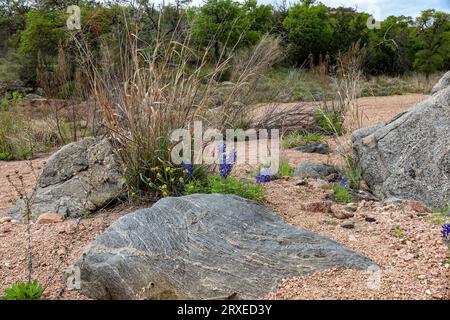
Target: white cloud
<point>386,7</point>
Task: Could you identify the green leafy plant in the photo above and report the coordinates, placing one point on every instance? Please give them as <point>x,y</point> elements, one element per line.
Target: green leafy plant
<point>24,291</point>
<point>15,99</point>
<point>217,184</point>
<point>341,194</point>
<point>397,232</point>
<point>286,169</point>
<point>298,138</point>
<point>170,180</point>
<point>6,156</point>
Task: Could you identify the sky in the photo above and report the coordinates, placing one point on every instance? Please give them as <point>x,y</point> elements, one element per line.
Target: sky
<point>380,9</point>
<point>386,8</point>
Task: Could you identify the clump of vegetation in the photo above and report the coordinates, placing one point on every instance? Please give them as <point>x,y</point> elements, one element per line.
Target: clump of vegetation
<point>299,138</point>
<point>352,172</point>
<point>16,140</point>
<point>329,121</point>
<point>218,184</point>
<point>164,87</point>
<point>167,179</point>
<point>15,99</point>
<point>342,194</point>
<point>24,291</point>
<point>286,169</point>
<point>397,232</point>
<point>436,218</point>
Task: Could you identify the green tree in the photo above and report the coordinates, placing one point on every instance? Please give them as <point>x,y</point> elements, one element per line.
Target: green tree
<point>43,33</point>
<point>223,24</point>
<point>12,21</point>
<point>433,36</point>
<point>349,27</point>
<point>390,49</point>
<point>309,29</point>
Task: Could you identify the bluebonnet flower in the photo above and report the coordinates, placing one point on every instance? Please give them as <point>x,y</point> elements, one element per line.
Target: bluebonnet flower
<point>226,163</point>
<point>263,177</point>
<point>343,181</point>
<point>190,168</point>
<point>446,231</point>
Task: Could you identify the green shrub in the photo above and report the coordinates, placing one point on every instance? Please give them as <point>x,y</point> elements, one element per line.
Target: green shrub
<point>217,184</point>
<point>15,99</point>
<point>297,139</point>
<point>330,122</point>
<point>341,194</point>
<point>24,291</point>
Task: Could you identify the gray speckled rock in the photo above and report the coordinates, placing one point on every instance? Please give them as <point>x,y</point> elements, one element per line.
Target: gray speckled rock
<point>443,83</point>
<point>203,246</point>
<point>81,177</point>
<point>321,148</point>
<point>409,157</point>
<point>314,170</point>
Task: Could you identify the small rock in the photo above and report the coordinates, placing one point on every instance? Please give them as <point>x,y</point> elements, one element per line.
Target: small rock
<point>5,219</point>
<point>370,219</point>
<point>318,206</point>
<point>421,214</point>
<point>422,277</point>
<point>61,252</point>
<point>351,207</point>
<point>49,218</point>
<point>314,170</point>
<point>319,183</point>
<point>321,148</point>
<point>340,212</point>
<point>428,292</point>
<point>348,225</point>
<point>5,229</point>
<point>364,186</point>
<point>408,257</point>
<point>332,177</point>
<point>417,206</point>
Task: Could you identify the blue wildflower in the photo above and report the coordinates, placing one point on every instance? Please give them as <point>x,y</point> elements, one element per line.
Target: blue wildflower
<point>226,163</point>
<point>190,169</point>
<point>343,181</point>
<point>263,177</point>
<point>446,231</point>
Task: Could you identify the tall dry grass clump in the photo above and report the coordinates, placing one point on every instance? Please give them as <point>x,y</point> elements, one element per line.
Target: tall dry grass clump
<point>147,90</point>
<point>348,81</point>
<point>344,115</point>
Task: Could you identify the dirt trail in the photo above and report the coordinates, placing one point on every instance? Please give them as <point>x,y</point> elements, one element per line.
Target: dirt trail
<point>412,261</point>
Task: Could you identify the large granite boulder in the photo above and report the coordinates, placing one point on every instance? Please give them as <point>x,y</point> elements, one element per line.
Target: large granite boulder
<point>202,246</point>
<point>80,178</point>
<point>409,157</point>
